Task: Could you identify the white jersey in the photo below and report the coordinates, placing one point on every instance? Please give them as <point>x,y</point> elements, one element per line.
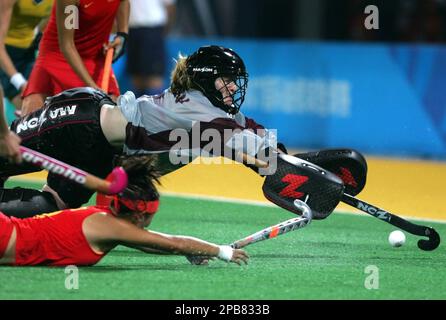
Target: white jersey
<point>184,127</point>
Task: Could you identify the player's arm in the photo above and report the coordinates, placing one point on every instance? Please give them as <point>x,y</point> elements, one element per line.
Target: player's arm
<point>253,125</point>
<point>119,42</point>
<point>67,45</point>
<point>6,64</point>
<point>122,16</point>
<point>42,24</point>
<point>118,231</point>
<point>145,248</point>
<point>6,7</point>
<point>9,141</point>
<point>242,140</point>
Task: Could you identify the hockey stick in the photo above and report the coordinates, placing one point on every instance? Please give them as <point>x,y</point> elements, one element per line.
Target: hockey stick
<point>280,228</point>
<point>247,159</point>
<point>107,69</point>
<point>71,173</point>
<point>415,229</point>
<point>419,230</point>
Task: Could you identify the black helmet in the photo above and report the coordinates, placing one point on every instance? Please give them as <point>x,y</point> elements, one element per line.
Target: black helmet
<point>211,62</point>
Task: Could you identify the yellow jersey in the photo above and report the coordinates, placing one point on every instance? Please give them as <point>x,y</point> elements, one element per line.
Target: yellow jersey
<point>26,15</point>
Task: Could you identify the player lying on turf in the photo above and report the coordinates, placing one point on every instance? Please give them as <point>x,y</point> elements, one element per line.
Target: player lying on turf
<point>84,236</point>
<point>85,128</point>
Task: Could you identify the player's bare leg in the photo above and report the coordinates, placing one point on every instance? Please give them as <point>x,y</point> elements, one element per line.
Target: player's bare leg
<point>33,102</point>
<point>17,102</point>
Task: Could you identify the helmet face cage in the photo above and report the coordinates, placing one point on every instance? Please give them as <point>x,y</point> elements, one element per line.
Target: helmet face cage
<point>241,82</point>
<point>208,64</point>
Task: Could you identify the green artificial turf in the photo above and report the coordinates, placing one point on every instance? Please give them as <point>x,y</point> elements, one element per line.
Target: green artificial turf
<point>325,260</point>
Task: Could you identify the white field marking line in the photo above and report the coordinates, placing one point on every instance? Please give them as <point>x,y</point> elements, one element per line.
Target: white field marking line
<point>240,201</point>
<point>269,204</point>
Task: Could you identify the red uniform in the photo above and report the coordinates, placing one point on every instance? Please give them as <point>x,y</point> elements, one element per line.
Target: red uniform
<point>6,228</point>
<point>52,73</point>
<point>54,239</point>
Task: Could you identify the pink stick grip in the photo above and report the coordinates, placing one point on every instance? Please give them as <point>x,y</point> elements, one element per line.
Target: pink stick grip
<point>119,182</point>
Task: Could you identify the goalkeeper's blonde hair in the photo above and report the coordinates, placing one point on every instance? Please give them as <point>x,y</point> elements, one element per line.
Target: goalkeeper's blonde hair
<point>180,81</point>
